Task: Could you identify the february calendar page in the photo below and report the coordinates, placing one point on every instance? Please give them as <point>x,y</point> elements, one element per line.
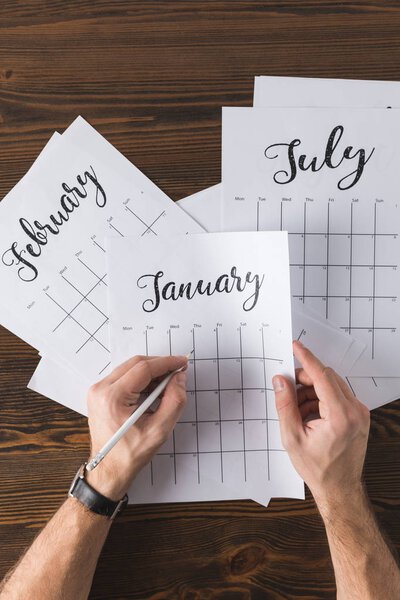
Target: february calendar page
<point>330,177</point>
<point>52,255</point>
<point>225,298</point>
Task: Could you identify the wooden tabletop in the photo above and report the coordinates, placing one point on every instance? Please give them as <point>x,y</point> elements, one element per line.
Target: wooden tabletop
<point>152,77</point>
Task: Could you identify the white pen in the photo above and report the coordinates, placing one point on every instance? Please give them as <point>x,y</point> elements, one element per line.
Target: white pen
<point>92,464</point>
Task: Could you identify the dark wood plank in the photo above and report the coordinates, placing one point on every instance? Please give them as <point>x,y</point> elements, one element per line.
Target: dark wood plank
<point>152,76</point>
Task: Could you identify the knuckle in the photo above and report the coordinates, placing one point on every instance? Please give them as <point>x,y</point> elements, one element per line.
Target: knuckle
<point>353,422</point>
<point>95,392</point>
<point>100,394</point>
<point>350,423</point>
<point>158,435</point>
<point>94,388</point>
<point>143,365</point>
<point>163,435</point>
<point>328,372</point>
<point>181,398</point>
<point>365,414</point>
<point>138,358</point>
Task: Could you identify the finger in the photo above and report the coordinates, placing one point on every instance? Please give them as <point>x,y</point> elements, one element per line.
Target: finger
<point>306,393</point>
<point>125,407</point>
<point>172,404</point>
<point>309,362</point>
<point>323,378</point>
<point>138,377</point>
<point>345,388</point>
<point>310,407</point>
<point>290,420</point>
<point>302,377</point>
<point>123,368</point>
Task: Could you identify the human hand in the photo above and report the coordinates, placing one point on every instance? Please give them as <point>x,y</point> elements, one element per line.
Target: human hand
<point>328,451</point>
<point>112,400</point>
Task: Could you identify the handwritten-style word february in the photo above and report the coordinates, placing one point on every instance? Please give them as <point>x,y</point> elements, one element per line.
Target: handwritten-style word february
<point>332,159</point>
<point>38,233</point>
<point>225,283</point>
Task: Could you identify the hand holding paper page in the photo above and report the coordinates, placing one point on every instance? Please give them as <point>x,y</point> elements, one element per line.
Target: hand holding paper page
<point>227,296</point>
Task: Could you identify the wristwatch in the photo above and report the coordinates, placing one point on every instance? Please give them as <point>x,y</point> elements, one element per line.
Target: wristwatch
<point>92,499</point>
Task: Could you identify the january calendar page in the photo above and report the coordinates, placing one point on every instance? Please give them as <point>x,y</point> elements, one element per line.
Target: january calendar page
<point>224,298</point>
<point>330,177</point>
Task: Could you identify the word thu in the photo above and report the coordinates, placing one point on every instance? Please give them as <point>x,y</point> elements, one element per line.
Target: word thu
<point>332,159</point>
<point>38,232</point>
<point>225,283</point>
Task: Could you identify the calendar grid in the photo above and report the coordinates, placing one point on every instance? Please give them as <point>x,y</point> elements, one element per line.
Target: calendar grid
<point>173,431</point>
<point>266,401</point>
<point>92,265</point>
<point>373,287</point>
<point>219,403</point>
<point>327,262</point>
<point>147,354</point>
<point>221,446</point>
<point>195,404</point>
<point>304,249</point>
<point>332,291</point>
<point>242,394</point>
<point>351,265</point>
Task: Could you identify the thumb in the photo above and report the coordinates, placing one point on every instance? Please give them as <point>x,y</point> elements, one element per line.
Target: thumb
<point>291,423</point>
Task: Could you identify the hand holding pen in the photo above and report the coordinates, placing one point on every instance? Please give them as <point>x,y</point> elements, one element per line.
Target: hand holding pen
<point>111,403</point>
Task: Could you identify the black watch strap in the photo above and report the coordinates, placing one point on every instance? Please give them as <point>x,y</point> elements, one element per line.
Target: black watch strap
<point>92,499</point>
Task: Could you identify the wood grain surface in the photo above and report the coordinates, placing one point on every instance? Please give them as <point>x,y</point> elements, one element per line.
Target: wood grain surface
<point>152,77</point>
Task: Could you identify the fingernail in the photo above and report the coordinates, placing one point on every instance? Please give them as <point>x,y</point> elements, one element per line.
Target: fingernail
<point>181,378</point>
<point>278,384</point>
<point>299,343</point>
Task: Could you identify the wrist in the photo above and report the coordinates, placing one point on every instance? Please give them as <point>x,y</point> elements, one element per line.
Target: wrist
<point>105,481</point>
<point>332,503</point>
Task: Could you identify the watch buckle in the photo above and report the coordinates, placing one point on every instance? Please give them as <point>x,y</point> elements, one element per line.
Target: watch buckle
<point>119,506</point>
<point>79,474</point>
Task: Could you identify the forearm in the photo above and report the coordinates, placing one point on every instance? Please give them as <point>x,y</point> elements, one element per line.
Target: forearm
<point>62,559</point>
<point>365,568</point>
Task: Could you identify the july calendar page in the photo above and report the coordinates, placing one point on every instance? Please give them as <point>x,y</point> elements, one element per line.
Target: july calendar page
<point>225,298</point>
<point>330,177</point>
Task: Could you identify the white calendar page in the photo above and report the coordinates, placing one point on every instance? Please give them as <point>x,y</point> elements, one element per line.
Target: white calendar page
<point>228,438</point>
<point>342,218</point>
<point>310,91</point>
<point>205,208</point>
<point>52,228</point>
<point>315,91</point>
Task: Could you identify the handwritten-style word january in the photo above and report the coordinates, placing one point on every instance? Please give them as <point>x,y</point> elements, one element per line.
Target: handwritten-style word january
<point>38,233</point>
<point>226,283</point>
<point>332,159</point>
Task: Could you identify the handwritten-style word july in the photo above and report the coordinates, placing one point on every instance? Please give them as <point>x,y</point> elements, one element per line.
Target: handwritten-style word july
<point>38,233</point>
<point>332,159</point>
<point>225,283</point>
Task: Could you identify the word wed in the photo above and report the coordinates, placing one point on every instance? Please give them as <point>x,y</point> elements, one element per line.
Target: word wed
<point>332,160</point>
<point>226,283</point>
